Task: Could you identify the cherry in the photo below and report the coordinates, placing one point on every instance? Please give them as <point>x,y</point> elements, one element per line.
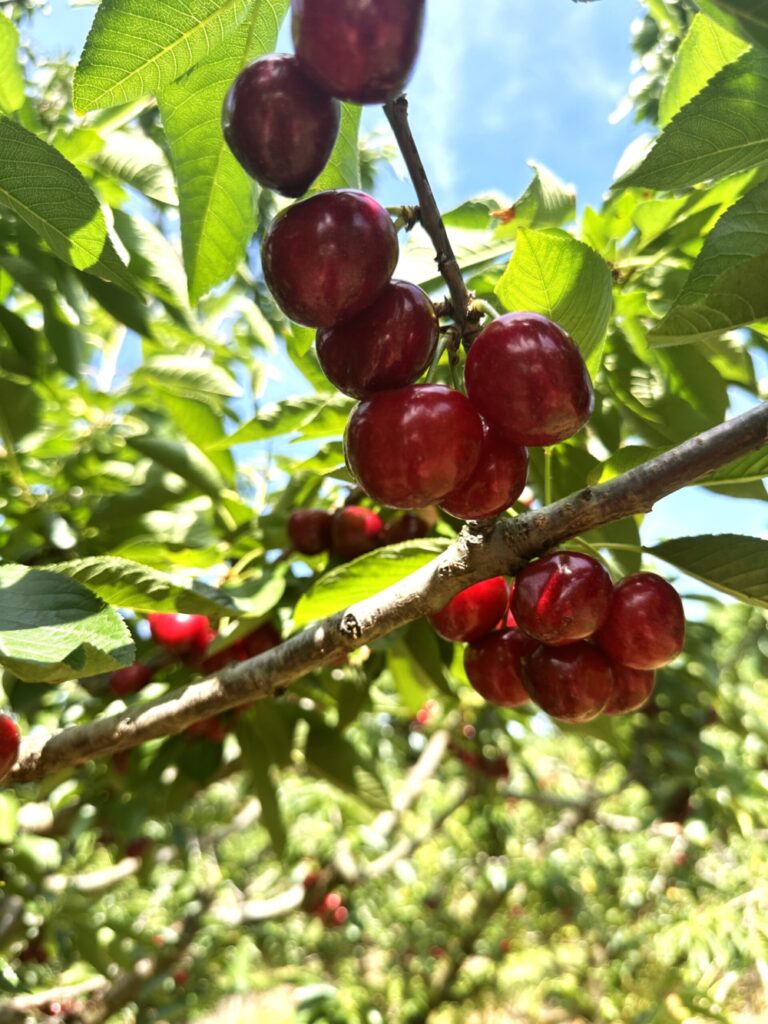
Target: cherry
<point>328,257</point>
<point>526,376</point>
<point>183,634</point>
<point>261,639</point>
<point>363,52</point>
<point>279,125</point>
<point>562,597</point>
<point>388,345</point>
<point>309,530</point>
<point>494,666</point>
<point>631,689</point>
<point>355,531</point>
<point>497,482</point>
<point>411,447</point>
<point>645,626</point>
<point>404,527</point>
<point>130,679</point>
<point>474,612</point>
<point>214,729</point>
<point>10,740</point>
<point>573,683</point>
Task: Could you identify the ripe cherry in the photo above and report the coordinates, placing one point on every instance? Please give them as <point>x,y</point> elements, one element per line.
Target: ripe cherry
<point>526,376</point>
<point>631,689</point>
<point>388,345</point>
<point>497,482</point>
<point>474,612</point>
<point>279,124</point>
<point>183,634</point>
<point>363,52</point>
<point>309,530</point>
<point>10,740</point>
<point>404,527</point>
<point>329,256</point>
<point>411,447</point>
<point>562,597</point>
<point>573,682</point>
<point>645,626</point>
<point>130,679</point>
<point>494,666</point>
<point>355,531</point>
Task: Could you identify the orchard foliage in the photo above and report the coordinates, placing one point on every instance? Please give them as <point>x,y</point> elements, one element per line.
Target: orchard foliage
<point>483,857</point>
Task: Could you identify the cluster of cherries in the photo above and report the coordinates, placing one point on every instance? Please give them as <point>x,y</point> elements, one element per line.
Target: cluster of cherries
<point>566,637</point>
<point>350,531</point>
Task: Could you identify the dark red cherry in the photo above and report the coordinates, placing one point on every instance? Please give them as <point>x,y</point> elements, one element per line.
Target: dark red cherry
<point>645,626</point>
<point>526,376</point>
<point>631,689</point>
<point>329,256</point>
<point>407,526</point>
<point>183,634</point>
<point>359,50</point>
<point>309,530</point>
<point>355,531</point>
<point>261,639</point>
<point>10,740</point>
<point>573,683</point>
<point>497,482</point>
<point>130,679</point>
<point>410,447</point>
<point>388,345</point>
<point>494,666</point>
<point>474,612</point>
<point>562,597</point>
<point>279,124</point>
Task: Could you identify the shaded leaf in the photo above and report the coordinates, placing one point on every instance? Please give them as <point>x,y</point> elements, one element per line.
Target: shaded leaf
<point>729,562</point>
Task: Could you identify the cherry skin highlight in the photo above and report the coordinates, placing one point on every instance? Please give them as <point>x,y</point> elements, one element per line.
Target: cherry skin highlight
<point>562,597</point>
<point>388,345</point>
<point>573,683</point>
<point>362,51</point>
<point>411,447</point>
<point>184,634</point>
<point>526,376</point>
<point>10,741</point>
<point>494,666</point>
<point>631,689</point>
<point>474,612</point>
<point>328,257</point>
<point>355,531</point>
<point>130,679</point>
<point>645,626</point>
<point>497,482</point>
<point>280,126</point>
<point>309,530</point>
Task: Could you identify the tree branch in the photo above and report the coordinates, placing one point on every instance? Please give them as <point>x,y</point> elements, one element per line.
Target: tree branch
<point>480,551</point>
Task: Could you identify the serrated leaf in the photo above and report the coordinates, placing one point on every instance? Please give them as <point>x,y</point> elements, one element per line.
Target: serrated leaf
<point>334,757</point>
<point>735,564</point>
<point>183,458</point>
<point>188,378</point>
<point>53,197</point>
<point>726,287</point>
<point>154,263</point>
<point>747,469</point>
<point>134,158</point>
<point>547,202</point>
<point>724,129</point>
<point>343,167</point>
<point>134,50</point>
<point>53,628</point>
<point>745,18</point>
<point>11,77</point>
<point>354,581</point>
<point>553,273</point>
<point>313,416</point>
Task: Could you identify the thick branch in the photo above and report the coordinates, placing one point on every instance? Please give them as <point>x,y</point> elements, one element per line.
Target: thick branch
<point>478,553</point>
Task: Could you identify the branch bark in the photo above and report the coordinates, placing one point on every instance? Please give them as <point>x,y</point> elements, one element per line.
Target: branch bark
<point>482,550</point>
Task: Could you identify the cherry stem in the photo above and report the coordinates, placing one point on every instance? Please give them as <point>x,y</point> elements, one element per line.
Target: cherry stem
<point>547,476</point>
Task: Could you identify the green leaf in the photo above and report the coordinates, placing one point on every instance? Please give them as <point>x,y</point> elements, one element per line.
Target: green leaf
<point>133,50</point>
<point>134,158</point>
<point>200,378</point>
<point>343,167</point>
<point>706,49</point>
<point>547,202</point>
<point>735,564</point>
<point>554,274</point>
<point>745,18</point>
<point>724,129</point>
<point>154,263</point>
<point>354,581</point>
<point>51,195</point>
<point>183,458</point>
<point>747,469</point>
<point>251,736</point>
<point>313,416</point>
<point>332,755</point>
<point>726,287</point>
<point>53,628</point>
<point>11,77</point>
<point>216,196</point>
<point>473,250</point>
<point>9,809</point>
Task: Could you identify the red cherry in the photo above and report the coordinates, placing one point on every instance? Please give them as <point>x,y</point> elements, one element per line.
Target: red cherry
<point>474,612</point>
<point>332,901</point>
<point>388,345</point>
<point>329,256</point>
<point>309,530</point>
<point>10,740</point>
<point>494,666</point>
<point>279,125</point>
<point>180,633</point>
<point>404,527</point>
<point>259,640</point>
<point>214,729</point>
<point>363,52</point>
<point>181,977</point>
<point>413,446</point>
<point>497,482</point>
<point>340,915</point>
<point>631,689</point>
<point>526,376</point>
<point>573,683</point>
<point>355,531</point>
<point>562,597</point>
<point>645,627</point>
<point>130,679</point>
